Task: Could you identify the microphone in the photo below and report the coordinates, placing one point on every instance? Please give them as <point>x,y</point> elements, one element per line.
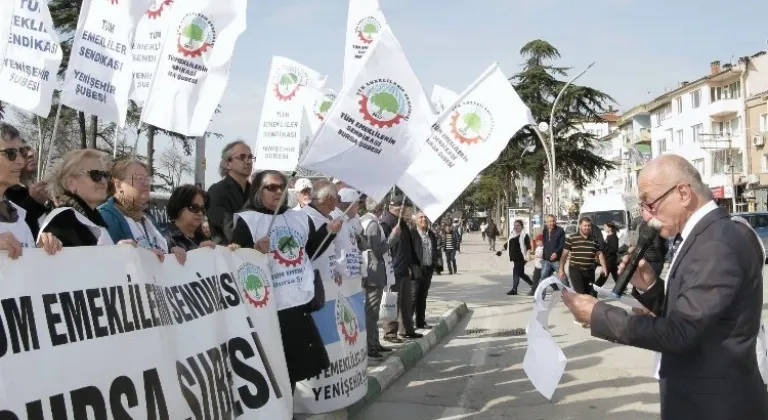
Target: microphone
<point>643,243</point>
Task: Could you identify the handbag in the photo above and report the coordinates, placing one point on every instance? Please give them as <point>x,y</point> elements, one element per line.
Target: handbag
<point>318,301</point>
<point>388,308</point>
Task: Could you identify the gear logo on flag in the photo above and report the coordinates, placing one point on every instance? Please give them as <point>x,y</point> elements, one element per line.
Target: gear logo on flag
<point>285,246</point>
<point>255,284</point>
<point>346,320</point>
<point>288,80</point>
<point>368,29</point>
<point>384,103</point>
<point>323,105</point>
<point>471,123</point>
<point>157,8</point>
<point>196,35</point>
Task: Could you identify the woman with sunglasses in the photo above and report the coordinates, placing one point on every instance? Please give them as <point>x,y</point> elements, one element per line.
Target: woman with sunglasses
<point>289,242</point>
<point>125,212</point>
<point>78,184</point>
<point>186,208</point>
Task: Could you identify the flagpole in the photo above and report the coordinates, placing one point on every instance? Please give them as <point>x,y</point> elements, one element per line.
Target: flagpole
<point>39,147</point>
<point>53,137</point>
<point>114,146</point>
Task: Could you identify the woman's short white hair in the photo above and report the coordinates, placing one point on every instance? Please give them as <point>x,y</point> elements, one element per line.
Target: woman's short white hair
<point>68,166</point>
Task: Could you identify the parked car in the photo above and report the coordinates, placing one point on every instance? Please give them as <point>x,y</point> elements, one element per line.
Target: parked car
<point>759,222</point>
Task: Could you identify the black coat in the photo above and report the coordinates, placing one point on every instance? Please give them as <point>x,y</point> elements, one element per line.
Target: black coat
<point>403,256</point>
<point>19,195</point>
<point>68,229</point>
<point>418,249</point>
<point>226,198</point>
<point>515,253</point>
<point>304,350</point>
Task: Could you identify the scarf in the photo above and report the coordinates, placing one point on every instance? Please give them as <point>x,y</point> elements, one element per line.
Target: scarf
<point>260,208</point>
<point>521,239</point>
<point>132,211</point>
<point>77,203</point>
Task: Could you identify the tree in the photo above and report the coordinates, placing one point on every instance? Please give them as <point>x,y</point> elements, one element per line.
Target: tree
<point>369,29</point>
<point>175,165</point>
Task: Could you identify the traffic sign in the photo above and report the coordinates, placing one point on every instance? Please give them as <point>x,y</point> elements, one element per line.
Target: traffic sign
<point>548,199</point>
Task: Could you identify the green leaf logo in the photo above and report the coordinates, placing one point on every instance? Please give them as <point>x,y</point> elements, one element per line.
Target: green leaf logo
<point>385,101</point>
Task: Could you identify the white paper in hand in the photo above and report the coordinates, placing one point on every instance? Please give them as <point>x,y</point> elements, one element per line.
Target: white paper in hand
<point>544,361</point>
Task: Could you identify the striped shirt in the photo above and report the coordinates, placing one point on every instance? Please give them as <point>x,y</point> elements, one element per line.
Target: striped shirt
<point>582,252</point>
<point>448,240</point>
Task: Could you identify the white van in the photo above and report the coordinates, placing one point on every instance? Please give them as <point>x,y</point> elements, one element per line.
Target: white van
<point>616,208</point>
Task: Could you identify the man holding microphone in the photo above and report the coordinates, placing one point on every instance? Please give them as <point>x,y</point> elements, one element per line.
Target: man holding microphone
<point>705,319</point>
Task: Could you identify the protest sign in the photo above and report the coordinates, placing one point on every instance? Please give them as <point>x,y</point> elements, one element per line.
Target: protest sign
<point>28,72</point>
<point>465,141</point>
<point>147,44</point>
<point>365,22</point>
<point>443,98</point>
<point>278,140</point>
<point>98,79</point>
<point>193,69</point>
<point>131,337</point>
<point>379,123</point>
<point>6,17</point>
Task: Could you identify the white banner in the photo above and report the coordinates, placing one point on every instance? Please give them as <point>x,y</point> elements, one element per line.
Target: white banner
<point>28,72</point>
<point>318,106</point>
<point>146,47</point>
<point>341,323</point>
<point>6,17</point>
<point>464,142</point>
<point>278,138</point>
<point>443,98</point>
<point>131,337</point>
<point>378,125</point>
<point>98,79</point>
<point>365,22</point>
<point>193,70</point>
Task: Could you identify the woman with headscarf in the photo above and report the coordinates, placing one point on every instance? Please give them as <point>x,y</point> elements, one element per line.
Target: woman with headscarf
<point>291,241</point>
<point>78,184</point>
<point>124,212</point>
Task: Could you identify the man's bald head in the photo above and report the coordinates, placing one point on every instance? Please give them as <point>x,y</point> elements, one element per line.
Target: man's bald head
<point>670,169</point>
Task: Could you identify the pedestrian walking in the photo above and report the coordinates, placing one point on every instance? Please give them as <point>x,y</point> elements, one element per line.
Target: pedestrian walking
<point>450,242</point>
<point>492,232</point>
<point>519,247</point>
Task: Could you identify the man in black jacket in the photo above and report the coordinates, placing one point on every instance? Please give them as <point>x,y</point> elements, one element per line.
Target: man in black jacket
<point>427,254</point>
<point>229,195</point>
<point>554,242</point>
<point>405,265</point>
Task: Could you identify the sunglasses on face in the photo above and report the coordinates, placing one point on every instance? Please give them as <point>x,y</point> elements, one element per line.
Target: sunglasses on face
<point>12,153</point>
<point>97,175</point>
<point>274,187</point>
<point>243,157</point>
<point>196,208</point>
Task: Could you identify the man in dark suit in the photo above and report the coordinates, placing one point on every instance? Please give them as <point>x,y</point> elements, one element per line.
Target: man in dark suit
<point>427,255</point>
<point>705,318</point>
<point>229,195</point>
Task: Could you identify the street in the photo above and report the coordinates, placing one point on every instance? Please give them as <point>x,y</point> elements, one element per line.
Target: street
<point>476,373</point>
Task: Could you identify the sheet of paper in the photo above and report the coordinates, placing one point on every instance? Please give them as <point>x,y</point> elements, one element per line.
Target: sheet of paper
<point>544,361</point>
<point>627,299</point>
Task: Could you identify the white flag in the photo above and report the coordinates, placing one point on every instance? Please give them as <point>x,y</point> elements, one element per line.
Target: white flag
<point>6,17</point>
<point>318,106</point>
<point>378,125</point>
<point>365,22</point>
<point>28,72</point>
<point>279,136</point>
<point>98,80</point>
<point>193,70</point>
<point>146,47</point>
<point>465,141</point>
<point>442,98</point>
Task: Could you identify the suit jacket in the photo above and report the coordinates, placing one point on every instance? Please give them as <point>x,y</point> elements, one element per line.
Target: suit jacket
<point>418,249</point>
<point>403,255</point>
<point>706,325</point>
<point>226,198</point>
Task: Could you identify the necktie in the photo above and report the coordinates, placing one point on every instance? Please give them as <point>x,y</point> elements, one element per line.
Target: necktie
<point>676,244</point>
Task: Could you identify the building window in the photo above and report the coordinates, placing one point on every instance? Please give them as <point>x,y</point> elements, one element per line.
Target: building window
<point>696,98</point>
<point>764,163</point>
<point>764,123</point>
<point>727,128</point>
<point>696,130</point>
<point>679,137</point>
<point>731,91</point>
<point>679,105</point>
<point>722,160</point>
<point>662,145</point>
<point>699,165</point>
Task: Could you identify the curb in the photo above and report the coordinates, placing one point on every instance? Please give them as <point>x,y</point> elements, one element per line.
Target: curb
<point>394,366</point>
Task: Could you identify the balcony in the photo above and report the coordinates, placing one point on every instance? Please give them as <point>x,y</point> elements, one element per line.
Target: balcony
<point>724,107</point>
<point>638,137</point>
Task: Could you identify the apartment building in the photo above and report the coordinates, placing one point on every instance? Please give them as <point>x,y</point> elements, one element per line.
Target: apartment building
<point>704,121</point>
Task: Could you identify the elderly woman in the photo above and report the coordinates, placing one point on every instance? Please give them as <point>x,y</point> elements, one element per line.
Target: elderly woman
<point>186,209</point>
<point>78,184</point>
<point>124,212</point>
<point>290,242</point>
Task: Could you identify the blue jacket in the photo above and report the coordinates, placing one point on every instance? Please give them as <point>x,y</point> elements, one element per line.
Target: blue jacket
<point>554,243</point>
<point>117,226</point>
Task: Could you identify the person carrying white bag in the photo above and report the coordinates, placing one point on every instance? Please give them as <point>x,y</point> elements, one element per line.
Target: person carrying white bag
<point>377,272</point>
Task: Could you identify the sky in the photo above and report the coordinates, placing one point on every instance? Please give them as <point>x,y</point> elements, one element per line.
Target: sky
<point>640,47</point>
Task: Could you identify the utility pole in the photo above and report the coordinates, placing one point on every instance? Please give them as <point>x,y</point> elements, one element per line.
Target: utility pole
<point>200,163</point>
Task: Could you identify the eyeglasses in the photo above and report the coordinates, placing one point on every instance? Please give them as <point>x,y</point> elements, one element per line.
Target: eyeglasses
<point>12,153</point>
<point>140,179</point>
<point>274,187</point>
<point>242,157</point>
<point>652,207</point>
<point>196,208</point>
<point>97,175</point>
